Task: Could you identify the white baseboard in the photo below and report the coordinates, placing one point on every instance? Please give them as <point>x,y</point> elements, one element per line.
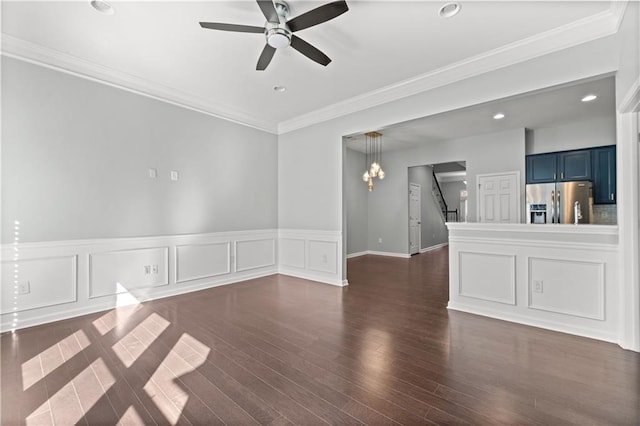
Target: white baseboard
<point>378,253</point>
<point>358,254</point>
<point>312,276</point>
<point>66,279</point>
<point>389,254</point>
<point>435,247</point>
<point>534,322</point>
<point>34,320</point>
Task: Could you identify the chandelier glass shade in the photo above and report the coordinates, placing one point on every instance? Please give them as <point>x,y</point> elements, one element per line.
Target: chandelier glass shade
<point>373,158</point>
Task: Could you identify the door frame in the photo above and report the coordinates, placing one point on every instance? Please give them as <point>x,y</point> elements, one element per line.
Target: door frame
<point>420,221</point>
<point>518,192</point>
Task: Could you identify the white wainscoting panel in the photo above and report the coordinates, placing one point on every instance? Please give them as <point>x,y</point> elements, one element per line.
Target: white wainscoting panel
<point>253,254</point>
<point>487,276</point>
<point>559,277</point>
<point>311,254</point>
<point>72,278</point>
<point>125,270</point>
<point>39,276</point>
<point>323,256</point>
<point>567,287</point>
<point>292,252</point>
<point>197,261</point>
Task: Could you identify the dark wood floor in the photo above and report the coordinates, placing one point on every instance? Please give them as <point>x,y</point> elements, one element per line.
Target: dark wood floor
<point>280,350</point>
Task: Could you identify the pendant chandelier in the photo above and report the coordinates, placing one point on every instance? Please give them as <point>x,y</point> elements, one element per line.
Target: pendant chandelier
<point>373,158</point>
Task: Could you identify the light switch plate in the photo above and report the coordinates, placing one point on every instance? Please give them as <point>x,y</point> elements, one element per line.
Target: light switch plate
<point>153,173</point>
<point>174,175</point>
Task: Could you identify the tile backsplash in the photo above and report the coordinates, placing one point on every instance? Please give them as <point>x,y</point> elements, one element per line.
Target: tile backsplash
<point>604,214</point>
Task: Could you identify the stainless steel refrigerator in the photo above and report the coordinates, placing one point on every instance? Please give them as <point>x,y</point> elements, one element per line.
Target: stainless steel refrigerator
<point>559,202</point>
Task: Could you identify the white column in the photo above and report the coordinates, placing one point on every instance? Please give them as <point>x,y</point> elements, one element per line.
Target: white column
<point>628,189</point>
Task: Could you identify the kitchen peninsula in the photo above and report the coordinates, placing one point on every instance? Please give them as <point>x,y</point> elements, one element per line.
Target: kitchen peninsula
<point>559,277</point>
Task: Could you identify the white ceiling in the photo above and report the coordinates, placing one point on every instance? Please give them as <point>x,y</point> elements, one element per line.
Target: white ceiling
<point>159,48</point>
<point>547,108</point>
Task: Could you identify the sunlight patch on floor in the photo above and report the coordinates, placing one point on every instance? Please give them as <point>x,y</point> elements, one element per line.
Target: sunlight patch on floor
<point>41,416</point>
<point>71,402</point>
<point>131,417</point>
<point>115,318</point>
<point>165,387</point>
<point>124,296</point>
<point>51,358</point>
<point>131,346</point>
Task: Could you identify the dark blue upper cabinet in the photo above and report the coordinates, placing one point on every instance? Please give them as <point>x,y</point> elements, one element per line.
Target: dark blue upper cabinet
<point>604,175</point>
<point>574,165</point>
<point>541,168</point>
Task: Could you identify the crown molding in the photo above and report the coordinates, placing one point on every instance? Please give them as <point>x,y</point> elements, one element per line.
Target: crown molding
<point>588,29</point>
<point>591,28</point>
<point>34,53</point>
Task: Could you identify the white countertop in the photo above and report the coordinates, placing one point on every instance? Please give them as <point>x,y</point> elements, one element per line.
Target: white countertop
<point>535,228</point>
<point>548,233</point>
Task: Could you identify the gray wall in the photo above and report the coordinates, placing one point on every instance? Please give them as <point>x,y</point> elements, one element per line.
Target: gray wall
<point>451,191</point>
<point>433,229</point>
<point>574,135</point>
<point>76,154</point>
<point>388,203</point>
<point>489,153</point>
<point>388,207</point>
<point>356,199</point>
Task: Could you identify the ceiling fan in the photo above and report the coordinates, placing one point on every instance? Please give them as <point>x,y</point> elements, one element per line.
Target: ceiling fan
<point>279,30</point>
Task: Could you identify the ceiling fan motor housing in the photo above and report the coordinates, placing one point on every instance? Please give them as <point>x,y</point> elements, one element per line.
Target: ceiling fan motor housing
<point>277,33</point>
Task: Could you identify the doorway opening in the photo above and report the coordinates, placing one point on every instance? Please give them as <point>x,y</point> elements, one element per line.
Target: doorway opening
<point>437,195</point>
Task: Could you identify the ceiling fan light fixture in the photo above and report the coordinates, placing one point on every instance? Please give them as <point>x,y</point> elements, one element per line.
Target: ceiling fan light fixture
<point>278,36</point>
<point>449,10</point>
<point>102,7</point>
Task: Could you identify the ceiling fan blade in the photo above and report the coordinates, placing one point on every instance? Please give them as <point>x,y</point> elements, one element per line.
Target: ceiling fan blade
<point>318,15</point>
<point>265,57</point>
<point>232,27</point>
<point>269,10</point>
<point>309,51</point>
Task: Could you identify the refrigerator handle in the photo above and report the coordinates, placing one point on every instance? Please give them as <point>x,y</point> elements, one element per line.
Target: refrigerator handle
<point>553,207</point>
<point>559,219</point>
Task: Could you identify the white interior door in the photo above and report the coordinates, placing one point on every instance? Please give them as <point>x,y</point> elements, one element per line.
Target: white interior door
<point>499,198</point>
<point>415,219</point>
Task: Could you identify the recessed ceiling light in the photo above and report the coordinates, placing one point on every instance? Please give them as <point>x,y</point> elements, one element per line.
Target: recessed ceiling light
<point>589,98</point>
<point>498,116</point>
<point>102,7</point>
<point>449,10</point>
<point>279,88</point>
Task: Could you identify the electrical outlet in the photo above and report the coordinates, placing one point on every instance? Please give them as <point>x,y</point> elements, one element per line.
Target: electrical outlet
<point>174,175</point>
<point>154,269</point>
<point>379,240</point>
<point>537,286</point>
<point>147,269</point>
<point>24,287</point>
